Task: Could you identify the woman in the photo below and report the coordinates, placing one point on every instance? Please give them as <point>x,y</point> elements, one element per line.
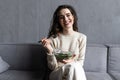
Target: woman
<point>64,35</point>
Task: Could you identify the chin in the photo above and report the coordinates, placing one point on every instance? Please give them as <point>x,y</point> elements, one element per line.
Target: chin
<point>69,26</point>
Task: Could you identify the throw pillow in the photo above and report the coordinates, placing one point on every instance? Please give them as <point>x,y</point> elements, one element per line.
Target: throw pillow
<point>3,65</point>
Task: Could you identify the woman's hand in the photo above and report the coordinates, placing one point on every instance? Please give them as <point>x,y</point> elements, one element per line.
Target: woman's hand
<point>65,61</point>
<point>46,43</point>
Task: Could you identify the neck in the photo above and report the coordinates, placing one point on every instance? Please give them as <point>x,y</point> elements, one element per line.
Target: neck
<point>68,32</point>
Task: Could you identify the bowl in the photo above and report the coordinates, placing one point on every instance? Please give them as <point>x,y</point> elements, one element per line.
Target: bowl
<point>63,55</point>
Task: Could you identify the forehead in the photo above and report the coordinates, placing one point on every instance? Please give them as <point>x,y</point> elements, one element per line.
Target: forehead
<point>64,11</point>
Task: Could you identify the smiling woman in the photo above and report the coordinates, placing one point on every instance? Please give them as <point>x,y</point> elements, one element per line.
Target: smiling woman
<point>64,38</point>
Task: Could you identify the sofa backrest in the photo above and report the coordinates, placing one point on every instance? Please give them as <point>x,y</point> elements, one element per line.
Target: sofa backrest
<point>24,56</point>
<point>96,58</point>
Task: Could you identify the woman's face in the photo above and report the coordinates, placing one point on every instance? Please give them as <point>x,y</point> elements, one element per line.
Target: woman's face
<point>66,19</point>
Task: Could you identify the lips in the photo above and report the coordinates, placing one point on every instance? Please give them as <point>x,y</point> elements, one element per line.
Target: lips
<point>67,23</point>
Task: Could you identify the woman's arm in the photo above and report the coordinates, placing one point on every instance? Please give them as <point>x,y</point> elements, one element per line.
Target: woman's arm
<point>82,49</point>
<point>52,62</point>
<point>51,59</point>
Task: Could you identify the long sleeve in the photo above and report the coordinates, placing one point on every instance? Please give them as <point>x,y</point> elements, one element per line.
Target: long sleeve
<point>51,59</point>
<point>52,62</point>
<point>82,49</point>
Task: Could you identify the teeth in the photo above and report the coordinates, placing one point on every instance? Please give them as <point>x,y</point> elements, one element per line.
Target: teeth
<point>67,23</point>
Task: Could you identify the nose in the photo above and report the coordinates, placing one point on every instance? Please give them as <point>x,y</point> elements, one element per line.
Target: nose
<point>65,18</point>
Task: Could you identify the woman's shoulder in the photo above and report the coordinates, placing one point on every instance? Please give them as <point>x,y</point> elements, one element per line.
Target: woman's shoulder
<point>80,35</point>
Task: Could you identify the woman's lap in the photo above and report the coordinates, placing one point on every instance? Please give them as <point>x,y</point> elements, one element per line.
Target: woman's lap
<point>70,71</point>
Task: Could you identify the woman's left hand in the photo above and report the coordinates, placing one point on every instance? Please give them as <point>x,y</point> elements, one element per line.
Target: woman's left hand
<point>65,61</point>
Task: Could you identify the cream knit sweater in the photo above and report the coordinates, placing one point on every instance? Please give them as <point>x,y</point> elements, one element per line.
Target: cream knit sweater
<point>75,43</point>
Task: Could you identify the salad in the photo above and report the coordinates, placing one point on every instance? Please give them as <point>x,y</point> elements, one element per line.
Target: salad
<point>63,55</point>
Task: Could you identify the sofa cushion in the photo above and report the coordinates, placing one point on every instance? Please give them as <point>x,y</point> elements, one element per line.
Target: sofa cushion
<point>98,76</point>
<point>114,58</point>
<point>95,58</point>
<point>3,65</point>
<point>115,75</point>
<point>21,75</point>
<point>114,61</point>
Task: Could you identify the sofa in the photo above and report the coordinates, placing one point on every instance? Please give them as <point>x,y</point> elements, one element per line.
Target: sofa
<point>28,62</point>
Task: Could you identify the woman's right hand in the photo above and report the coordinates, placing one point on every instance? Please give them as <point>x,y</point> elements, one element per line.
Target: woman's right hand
<point>46,43</point>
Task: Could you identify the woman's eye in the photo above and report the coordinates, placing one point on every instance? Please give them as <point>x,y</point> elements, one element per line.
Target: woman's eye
<point>61,17</point>
<point>68,15</point>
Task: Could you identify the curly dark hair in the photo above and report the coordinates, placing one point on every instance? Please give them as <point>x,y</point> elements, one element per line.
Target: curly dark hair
<point>55,27</point>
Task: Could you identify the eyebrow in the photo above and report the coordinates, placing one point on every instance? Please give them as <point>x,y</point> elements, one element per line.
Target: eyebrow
<point>65,14</point>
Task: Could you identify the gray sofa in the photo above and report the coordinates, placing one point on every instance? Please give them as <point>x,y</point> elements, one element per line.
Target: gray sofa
<point>28,62</point>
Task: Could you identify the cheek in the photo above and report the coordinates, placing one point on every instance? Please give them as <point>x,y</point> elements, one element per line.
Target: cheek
<point>72,19</point>
<point>61,22</point>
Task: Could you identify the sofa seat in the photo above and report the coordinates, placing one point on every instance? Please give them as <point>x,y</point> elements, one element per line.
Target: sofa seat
<point>115,75</point>
<point>21,75</point>
<point>98,76</point>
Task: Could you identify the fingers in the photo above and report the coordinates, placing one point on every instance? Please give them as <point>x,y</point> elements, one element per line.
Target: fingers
<point>64,61</point>
<point>45,41</point>
<point>67,61</point>
<point>73,55</point>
